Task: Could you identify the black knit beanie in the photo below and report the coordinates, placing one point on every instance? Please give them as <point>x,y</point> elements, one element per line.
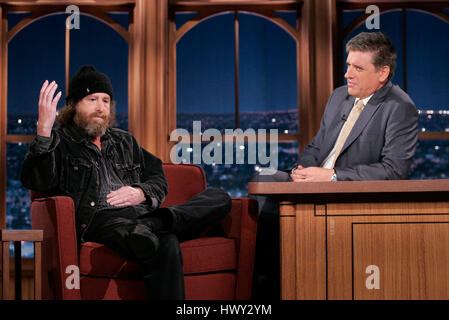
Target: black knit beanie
<point>87,81</point>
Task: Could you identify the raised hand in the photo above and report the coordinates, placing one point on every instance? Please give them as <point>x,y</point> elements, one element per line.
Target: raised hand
<point>47,108</point>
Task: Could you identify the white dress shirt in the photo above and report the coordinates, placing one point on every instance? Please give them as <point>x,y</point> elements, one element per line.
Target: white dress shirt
<point>327,163</point>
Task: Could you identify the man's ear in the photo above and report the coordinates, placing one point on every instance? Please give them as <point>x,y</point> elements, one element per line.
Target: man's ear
<point>384,72</point>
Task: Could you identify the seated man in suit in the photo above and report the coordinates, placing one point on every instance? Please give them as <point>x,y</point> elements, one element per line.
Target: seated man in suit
<point>369,131</point>
<point>116,185</point>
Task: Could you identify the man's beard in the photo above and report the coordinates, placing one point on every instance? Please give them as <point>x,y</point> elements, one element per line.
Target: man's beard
<point>93,127</point>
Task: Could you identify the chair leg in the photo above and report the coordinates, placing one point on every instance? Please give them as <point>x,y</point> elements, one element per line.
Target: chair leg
<point>5,258</point>
<point>37,270</point>
<point>18,270</point>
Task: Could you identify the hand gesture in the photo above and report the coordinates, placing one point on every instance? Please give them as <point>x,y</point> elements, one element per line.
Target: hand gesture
<point>47,108</point>
<point>125,196</point>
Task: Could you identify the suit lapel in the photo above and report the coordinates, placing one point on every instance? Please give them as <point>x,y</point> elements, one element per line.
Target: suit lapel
<point>368,111</point>
<point>334,129</point>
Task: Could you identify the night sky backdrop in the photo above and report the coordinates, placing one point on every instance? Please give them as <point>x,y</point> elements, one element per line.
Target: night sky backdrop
<point>205,62</point>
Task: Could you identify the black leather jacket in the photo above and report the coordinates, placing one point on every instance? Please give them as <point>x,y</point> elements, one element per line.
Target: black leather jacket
<point>67,164</point>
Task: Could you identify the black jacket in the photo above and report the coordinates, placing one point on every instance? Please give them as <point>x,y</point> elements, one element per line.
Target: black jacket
<point>67,164</point>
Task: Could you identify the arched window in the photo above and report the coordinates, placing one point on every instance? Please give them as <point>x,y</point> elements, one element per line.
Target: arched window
<point>237,70</point>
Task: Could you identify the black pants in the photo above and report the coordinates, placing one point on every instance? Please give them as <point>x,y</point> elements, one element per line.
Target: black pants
<point>163,275</point>
<point>266,283</point>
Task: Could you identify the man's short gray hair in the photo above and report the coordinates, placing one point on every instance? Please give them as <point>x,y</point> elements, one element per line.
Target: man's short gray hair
<point>380,45</point>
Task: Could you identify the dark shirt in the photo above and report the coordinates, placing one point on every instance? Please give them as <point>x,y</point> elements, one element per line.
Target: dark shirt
<point>69,164</point>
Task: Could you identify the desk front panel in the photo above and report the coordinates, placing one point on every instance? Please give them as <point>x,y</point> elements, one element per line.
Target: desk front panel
<point>366,250</point>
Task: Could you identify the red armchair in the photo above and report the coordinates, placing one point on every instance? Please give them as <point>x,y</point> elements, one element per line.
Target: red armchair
<point>217,265</point>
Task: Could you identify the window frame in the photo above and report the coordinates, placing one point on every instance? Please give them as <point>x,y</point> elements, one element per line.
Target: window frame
<point>264,9</point>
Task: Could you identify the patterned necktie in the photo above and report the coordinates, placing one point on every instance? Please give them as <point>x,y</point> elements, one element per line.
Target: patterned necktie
<point>344,133</point>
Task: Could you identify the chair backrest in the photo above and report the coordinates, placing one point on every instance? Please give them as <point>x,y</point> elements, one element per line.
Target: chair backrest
<point>184,181</point>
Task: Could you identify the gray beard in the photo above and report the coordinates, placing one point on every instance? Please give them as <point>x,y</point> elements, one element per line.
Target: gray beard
<point>93,129</point>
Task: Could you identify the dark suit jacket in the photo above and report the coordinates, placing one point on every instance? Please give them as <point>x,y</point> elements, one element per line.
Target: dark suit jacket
<point>382,142</point>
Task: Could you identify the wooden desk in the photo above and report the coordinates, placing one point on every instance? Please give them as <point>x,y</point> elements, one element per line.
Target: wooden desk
<point>363,239</point>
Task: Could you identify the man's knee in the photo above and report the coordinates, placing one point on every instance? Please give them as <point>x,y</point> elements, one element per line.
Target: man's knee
<point>221,200</point>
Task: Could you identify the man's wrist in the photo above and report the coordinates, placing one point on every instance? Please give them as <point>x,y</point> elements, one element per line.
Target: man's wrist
<point>44,131</point>
<point>334,176</point>
<point>141,197</point>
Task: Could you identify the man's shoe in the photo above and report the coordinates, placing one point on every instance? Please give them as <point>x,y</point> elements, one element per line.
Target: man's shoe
<point>143,242</point>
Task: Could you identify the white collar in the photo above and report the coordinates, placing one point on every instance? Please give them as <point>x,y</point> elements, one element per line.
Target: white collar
<point>365,100</point>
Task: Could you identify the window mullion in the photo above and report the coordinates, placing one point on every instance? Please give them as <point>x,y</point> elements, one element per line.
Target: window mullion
<point>404,48</point>
<point>67,59</point>
<point>236,59</point>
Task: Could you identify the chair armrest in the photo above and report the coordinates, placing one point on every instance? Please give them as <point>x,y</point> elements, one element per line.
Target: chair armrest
<point>56,217</point>
<point>241,225</point>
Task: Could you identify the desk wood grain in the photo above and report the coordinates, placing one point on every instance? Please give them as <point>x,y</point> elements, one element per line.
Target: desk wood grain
<point>333,234</point>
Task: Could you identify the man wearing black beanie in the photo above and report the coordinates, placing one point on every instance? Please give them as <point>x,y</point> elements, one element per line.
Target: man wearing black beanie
<point>116,185</point>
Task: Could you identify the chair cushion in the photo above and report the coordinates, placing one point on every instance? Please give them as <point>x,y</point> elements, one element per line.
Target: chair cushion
<point>211,286</point>
<point>95,288</point>
<point>199,256</point>
<point>208,255</point>
<point>101,261</point>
